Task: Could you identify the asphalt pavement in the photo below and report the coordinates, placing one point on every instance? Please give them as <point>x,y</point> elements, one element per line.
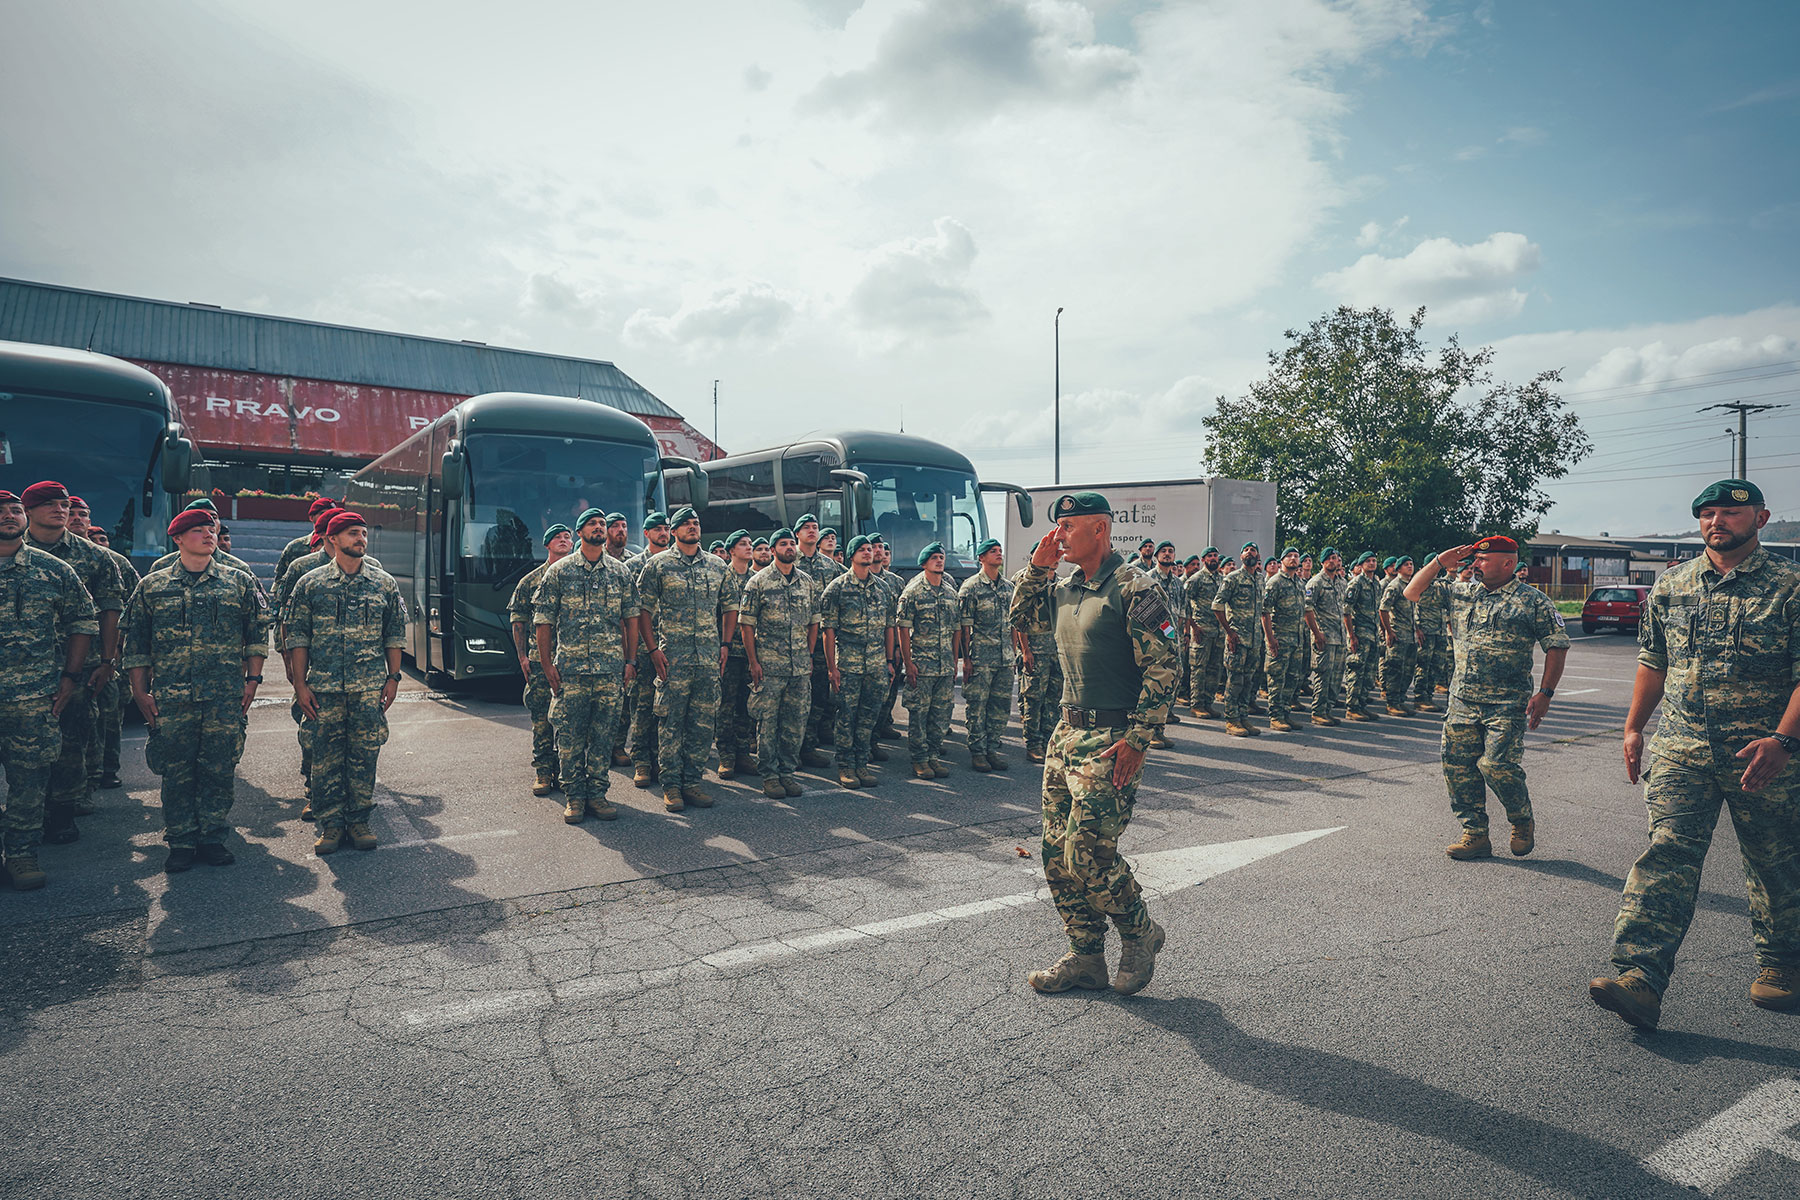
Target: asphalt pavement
<point>825,995</point>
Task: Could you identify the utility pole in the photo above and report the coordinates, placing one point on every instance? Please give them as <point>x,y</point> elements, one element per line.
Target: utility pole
<point>715,415</point>
<point>1056,470</point>
<point>1743,412</point>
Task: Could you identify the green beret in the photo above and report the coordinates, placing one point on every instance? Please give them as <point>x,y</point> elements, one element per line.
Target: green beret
<point>588,515</point>
<point>1161,545</point>
<point>875,540</point>
<point>927,552</point>
<point>1082,504</point>
<point>550,533</point>
<point>1403,560</point>
<point>683,515</point>
<point>735,536</point>
<point>1725,492</point>
<point>1192,558</point>
<point>657,520</point>
<point>1251,546</point>
<point>856,543</point>
<point>1387,562</point>
<point>1209,550</point>
<point>614,518</point>
<point>1294,550</point>
<point>782,533</point>
<point>1362,558</point>
<point>1146,542</point>
<point>986,545</point>
<point>713,547</point>
<point>1329,552</point>
<point>209,506</point>
<point>806,518</point>
<point>761,541</point>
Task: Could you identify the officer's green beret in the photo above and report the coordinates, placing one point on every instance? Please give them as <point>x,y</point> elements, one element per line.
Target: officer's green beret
<point>1192,558</point>
<point>209,506</point>
<point>1329,552</point>
<point>1146,542</point>
<point>1389,561</point>
<point>1082,504</point>
<point>1209,550</point>
<point>1724,492</point>
<point>1362,558</point>
<point>1162,544</point>
<point>550,533</point>
<point>761,541</point>
<point>683,515</point>
<point>986,545</point>
<point>1294,550</point>
<point>927,552</point>
<point>856,543</point>
<point>782,533</point>
<point>735,536</point>
<point>614,518</point>
<point>1251,546</point>
<point>588,515</point>
<point>657,520</point>
<point>806,518</point>
<point>1403,560</point>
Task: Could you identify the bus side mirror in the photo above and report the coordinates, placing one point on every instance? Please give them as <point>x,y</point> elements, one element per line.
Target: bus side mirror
<point>1021,499</point>
<point>862,495</point>
<point>177,462</point>
<point>698,492</point>
<point>453,483</point>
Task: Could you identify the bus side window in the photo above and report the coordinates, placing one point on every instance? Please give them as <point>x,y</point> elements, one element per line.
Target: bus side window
<point>743,497</point>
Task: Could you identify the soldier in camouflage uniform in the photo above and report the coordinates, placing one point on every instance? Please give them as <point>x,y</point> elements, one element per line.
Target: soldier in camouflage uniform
<point>779,619</point>
<point>855,614</point>
<point>636,746</point>
<point>1325,593</point>
<point>684,594</point>
<point>346,626</point>
<point>1495,623</point>
<point>1719,651</point>
<point>585,622</point>
<point>987,658</point>
<point>1237,609</point>
<point>761,553</point>
<point>1286,619</point>
<point>47,621</point>
<point>47,517</point>
<point>1040,679</point>
<point>1400,632</point>
<point>1362,635</point>
<point>736,726</point>
<point>221,556</point>
<point>1174,585</point>
<point>1206,641</point>
<point>559,541</point>
<point>307,542</point>
<point>109,701</point>
<point>196,634</point>
<point>890,579</point>
<point>929,618</point>
<point>1116,640</point>
<point>820,716</point>
<point>1434,647</point>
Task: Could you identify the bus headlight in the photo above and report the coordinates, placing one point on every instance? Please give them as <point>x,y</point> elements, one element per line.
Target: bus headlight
<point>483,646</point>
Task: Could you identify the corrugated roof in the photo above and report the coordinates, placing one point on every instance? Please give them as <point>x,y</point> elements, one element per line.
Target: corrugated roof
<point>203,336</point>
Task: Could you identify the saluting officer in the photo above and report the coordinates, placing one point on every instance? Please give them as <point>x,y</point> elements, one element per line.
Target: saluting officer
<point>559,540</point>
<point>778,617</point>
<point>196,634</point>
<point>1116,638</point>
<point>1719,651</point>
<point>1238,610</point>
<point>987,658</point>
<point>929,618</point>
<point>1362,636</point>
<point>855,614</point>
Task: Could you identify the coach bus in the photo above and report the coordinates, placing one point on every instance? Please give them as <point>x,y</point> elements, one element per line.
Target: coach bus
<point>457,512</point>
<point>911,490</point>
<point>106,429</point>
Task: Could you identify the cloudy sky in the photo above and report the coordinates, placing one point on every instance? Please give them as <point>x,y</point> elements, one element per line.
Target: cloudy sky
<point>863,213</point>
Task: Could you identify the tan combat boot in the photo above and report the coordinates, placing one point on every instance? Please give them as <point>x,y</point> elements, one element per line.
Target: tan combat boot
<point>1524,837</point>
<point>621,758</point>
<point>1205,713</point>
<point>1395,710</point>
<point>727,768</point>
<point>1137,962</point>
<point>773,790</point>
<point>868,776</point>
<point>940,769</point>
<point>923,771</point>
<point>1359,715</point>
<point>574,811</point>
<point>697,796</point>
<point>849,778</point>
<point>603,809</point>
<point>981,764</point>
<point>1427,706</point>
<point>1158,739</point>
<point>744,764</point>
<point>1072,970</point>
<point>361,836</point>
<point>1281,725</point>
<point>329,841</point>
<point>1233,728</point>
<point>791,786</point>
<point>544,786</point>
<point>25,873</point>
<point>1322,719</point>
<point>643,776</point>
<point>1776,989</point>
<point>1629,996</point>
<point>1473,845</point>
<point>672,800</point>
<point>1034,754</point>
<point>997,760</point>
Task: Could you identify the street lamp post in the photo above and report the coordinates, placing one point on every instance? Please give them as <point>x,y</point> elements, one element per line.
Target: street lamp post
<point>1057,462</point>
<point>715,416</point>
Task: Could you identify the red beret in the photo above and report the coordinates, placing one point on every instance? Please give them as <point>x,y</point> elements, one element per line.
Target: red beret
<point>1497,543</point>
<point>7,497</point>
<point>189,518</point>
<point>44,493</point>
<point>321,505</point>
<point>78,502</point>
<point>342,520</point>
<point>322,518</point>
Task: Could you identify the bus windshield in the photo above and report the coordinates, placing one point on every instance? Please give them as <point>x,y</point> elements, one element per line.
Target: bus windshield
<point>915,506</point>
<point>521,484</point>
<point>104,453</point>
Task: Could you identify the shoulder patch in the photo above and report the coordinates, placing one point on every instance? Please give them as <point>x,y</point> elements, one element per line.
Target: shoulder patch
<point>1148,611</point>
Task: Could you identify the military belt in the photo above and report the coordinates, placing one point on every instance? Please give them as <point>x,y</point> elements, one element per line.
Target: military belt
<point>1095,718</point>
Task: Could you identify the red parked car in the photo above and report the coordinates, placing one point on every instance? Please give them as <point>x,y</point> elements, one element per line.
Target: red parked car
<point>1614,608</point>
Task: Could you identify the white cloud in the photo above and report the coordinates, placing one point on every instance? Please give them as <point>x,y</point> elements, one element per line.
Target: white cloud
<point>1374,233</point>
<point>746,312</point>
<point>1457,283</point>
<point>919,285</point>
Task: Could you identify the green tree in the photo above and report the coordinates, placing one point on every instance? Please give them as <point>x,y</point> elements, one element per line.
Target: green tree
<point>1375,442</point>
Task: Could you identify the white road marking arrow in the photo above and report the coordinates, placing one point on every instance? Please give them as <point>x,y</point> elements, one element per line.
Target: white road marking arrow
<point>1718,1151</point>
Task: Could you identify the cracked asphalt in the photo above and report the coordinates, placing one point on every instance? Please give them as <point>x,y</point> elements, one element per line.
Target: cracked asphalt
<point>495,1004</point>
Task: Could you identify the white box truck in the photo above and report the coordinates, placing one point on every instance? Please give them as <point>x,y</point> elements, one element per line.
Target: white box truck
<point>1192,513</point>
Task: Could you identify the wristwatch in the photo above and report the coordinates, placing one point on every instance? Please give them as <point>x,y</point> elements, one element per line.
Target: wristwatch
<point>253,679</point>
<point>394,678</point>
<point>1547,693</point>
<point>1788,743</point>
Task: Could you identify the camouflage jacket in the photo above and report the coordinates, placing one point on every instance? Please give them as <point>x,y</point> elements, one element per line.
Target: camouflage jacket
<point>1403,614</point>
<point>586,605</point>
<point>860,612</point>
<point>822,569</point>
<point>298,570</point>
<point>1730,645</point>
<point>984,615</point>
<point>686,595</point>
<point>1286,601</point>
<point>224,558</point>
<point>291,551</point>
<point>1174,586</point>
<point>42,606</point>
<point>1433,608</point>
<point>347,623</point>
<point>779,608</point>
<point>737,583</point>
<point>93,567</point>
<point>1495,632</point>
<point>1326,596</point>
<point>1114,639</point>
<point>194,632</point>
<point>934,614</point>
<point>519,610</point>
<point>128,574</point>
<point>1200,589</point>
<point>1362,598</point>
<point>1240,598</point>
<point>1034,617</point>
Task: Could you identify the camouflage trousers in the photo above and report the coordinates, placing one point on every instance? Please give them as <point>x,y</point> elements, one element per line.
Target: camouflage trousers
<point>1327,677</point>
<point>987,704</point>
<point>886,715</point>
<point>928,716</point>
<point>1398,662</point>
<point>1207,654</point>
<point>303,735</point>
<point>30,740</point>
<point>687,710</point>
<point>68,776</point>
<point>1659,899</point>
<point>638,711</point>
<point>538,699</point>
<point>779,705</point>
<point>347,737</point>
<point>1286,670</point>
<point>103,746</point>
<point>1084,816</point>
<point>1182,661</point>
<point>736,726</point>
<point>1484,747</point>
<point>1360,666</point>
<point>199,744</point>
<point>586,717</point>
<point>858,704</point>
<point>1433,669</point>
<point>1040,694</point>
<point>1242,666</point>
<point>821,709</point>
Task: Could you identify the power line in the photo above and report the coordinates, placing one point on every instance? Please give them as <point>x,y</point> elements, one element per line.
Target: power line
<point>1692,381</point>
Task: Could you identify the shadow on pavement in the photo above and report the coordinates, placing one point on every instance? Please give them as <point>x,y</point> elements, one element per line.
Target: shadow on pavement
<point>1582,873</point>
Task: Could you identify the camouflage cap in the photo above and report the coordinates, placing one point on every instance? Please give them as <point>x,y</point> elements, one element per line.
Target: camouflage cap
<point>559,527</point>
<point>927,552</point>
<point>1729,492</point>
<point>1082,504</point>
